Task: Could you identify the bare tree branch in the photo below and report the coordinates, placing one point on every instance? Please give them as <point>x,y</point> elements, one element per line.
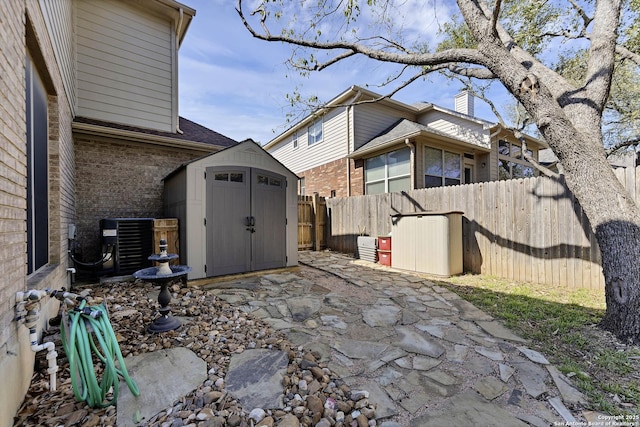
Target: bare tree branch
<point>477,73</point>
<point>586,19</point>
<point>627,54</point>
<point>601,60</point>
<point>543,169</point>
<point>494,16</point>
<point>321,66</point>
<point>389,95</point>
<point>471,56</point>
<point>480,94</point>
<point>478,11</point>
<point>619,146</point>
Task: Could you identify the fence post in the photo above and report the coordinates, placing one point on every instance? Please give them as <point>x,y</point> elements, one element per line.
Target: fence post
<point>317,234</point>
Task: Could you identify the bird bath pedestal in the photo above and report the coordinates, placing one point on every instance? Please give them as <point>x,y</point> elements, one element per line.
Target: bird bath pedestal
<point>162,275</point>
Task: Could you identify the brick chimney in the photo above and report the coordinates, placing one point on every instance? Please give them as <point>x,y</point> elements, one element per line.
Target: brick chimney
<point>463,103</point>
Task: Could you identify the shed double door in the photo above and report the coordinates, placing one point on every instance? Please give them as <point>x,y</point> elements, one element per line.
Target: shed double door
<point>245,220</point>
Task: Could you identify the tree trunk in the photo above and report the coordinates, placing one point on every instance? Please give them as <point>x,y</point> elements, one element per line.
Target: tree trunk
<point>573,132</point>
<point>615,219</point>
<point>619,243</point>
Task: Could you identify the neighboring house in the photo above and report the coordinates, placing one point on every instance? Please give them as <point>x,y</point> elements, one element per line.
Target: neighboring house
<point>89,126</point>
<point>354,146</point>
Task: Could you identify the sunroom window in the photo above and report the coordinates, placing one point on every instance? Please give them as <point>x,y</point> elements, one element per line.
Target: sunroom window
<point>388,173</point>
<point>441,168</point>
<point>511,162</point>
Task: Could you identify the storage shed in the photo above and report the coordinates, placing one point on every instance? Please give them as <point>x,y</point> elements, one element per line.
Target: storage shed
<point>237,211</point>
<point>428,242</point>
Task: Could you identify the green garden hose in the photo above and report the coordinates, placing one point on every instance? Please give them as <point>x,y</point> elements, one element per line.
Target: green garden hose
<point>86,326</point>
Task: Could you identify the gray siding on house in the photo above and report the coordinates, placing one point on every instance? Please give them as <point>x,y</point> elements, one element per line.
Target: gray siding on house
<point>372,119</point>
<point>58,16</point>
<point>125,63</point>
<point>456,126</point>
<point>334,144</point>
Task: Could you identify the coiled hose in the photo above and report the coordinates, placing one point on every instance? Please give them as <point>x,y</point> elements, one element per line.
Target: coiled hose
<point>86,326</point>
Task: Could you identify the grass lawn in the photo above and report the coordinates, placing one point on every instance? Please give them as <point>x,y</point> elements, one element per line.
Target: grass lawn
<point>562,323</point>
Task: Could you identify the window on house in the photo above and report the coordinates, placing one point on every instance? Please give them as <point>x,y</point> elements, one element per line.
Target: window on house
<point>315,132</point>
<point>388,173</point>
<point>302,186</point>
<point>37,170</point>
<point>441,168</point>
<point>511,162</point>
<point>295,140</point>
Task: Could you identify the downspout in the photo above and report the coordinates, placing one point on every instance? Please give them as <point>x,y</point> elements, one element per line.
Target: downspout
<point>349,125</point>
<point>348,150</point>
<point>178,26</point>
<point>412,162</point>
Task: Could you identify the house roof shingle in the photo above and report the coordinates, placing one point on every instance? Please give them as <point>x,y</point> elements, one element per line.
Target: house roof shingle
<point>191,131</point>
<point>396,133</point>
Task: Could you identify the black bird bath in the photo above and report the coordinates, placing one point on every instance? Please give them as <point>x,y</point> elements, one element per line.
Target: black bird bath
<point>163,274</point>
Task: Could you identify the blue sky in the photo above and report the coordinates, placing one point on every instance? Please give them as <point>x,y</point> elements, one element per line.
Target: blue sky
<point>237,85</point>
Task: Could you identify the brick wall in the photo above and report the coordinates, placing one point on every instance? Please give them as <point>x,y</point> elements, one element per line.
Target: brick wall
<point>332,177</point>
<point>23,32</point>
<point>13,172</point>
<point>116,179</point>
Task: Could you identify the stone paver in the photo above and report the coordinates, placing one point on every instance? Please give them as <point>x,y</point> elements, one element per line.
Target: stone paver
<point>427,357</point>
<point>253,367</point>
<point>153,366</point>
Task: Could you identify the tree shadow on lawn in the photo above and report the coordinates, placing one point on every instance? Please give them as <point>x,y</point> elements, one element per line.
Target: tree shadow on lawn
<point>605,369</point>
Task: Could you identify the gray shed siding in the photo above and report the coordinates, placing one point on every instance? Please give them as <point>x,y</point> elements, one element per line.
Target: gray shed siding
<point>175,206</point>
<point>190,209</point>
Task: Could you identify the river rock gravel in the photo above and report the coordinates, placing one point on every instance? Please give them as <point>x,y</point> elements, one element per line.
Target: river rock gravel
<point>214,330</point>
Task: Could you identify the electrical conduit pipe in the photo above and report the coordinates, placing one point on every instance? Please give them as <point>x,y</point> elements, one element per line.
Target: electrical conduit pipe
<point>31,300</point>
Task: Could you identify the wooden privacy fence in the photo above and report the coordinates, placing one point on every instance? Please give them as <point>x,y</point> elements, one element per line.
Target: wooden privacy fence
<point>527,229</point>
<point>312,219</point>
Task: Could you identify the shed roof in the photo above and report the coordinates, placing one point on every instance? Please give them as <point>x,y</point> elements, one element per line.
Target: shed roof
<point>249,142</point>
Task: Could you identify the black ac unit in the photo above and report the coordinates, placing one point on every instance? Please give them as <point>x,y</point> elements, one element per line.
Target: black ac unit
<point>131,242</point>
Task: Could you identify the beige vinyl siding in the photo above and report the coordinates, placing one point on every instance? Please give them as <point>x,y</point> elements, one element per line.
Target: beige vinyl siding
<point>372,119</point>
<point>58,16</point>
<point>332,147</point>
<point>125,62</point>
<point>457,127</point>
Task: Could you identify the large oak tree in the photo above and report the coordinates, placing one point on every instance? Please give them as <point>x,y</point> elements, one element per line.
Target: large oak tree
<point>515,43</point>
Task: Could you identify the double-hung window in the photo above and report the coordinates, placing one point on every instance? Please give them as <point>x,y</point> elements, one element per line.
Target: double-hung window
<point>294,140</point>
<point>37,170</point>
<point>315,132</point>
<point>441,168</point>
<point>511,162</point>
<point>388,173</point>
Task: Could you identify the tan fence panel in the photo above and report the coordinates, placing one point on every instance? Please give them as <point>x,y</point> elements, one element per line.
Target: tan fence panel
<point>527,229</point>
<point>312,222</point>
<point>305,222</point>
